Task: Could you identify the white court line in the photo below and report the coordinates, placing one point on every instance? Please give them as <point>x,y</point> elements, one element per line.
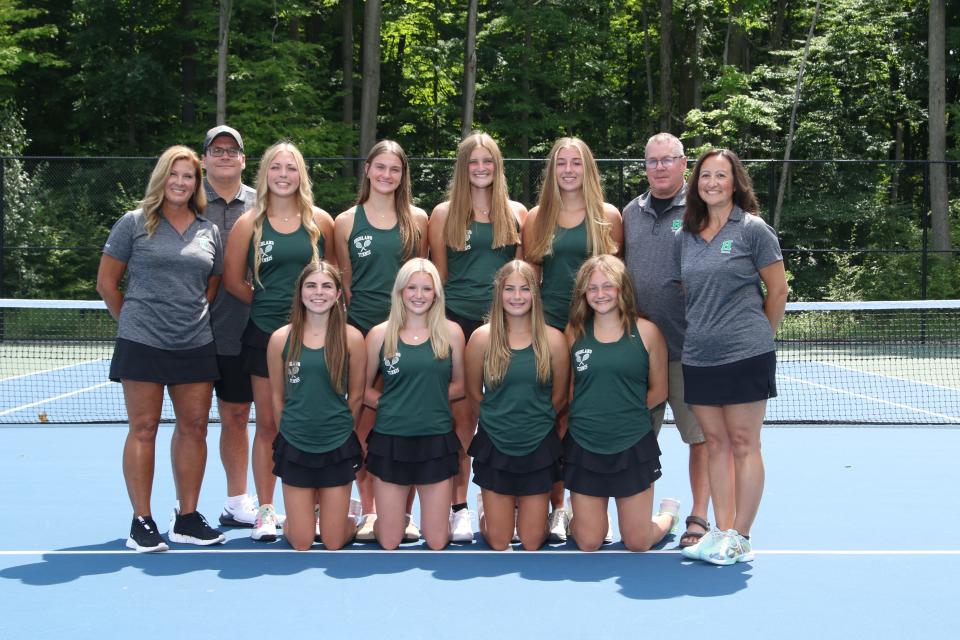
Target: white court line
<point>899,405</point>
<point>59,397</point>
<point>42,371</point>
<point>874,374</point>
<point>450,553</point>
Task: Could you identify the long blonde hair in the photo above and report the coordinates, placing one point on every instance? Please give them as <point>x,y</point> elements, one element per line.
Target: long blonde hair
<point>153,197</point>
<point>497,358</point>
<point>613,268</point>
<point>402,198</point>
<point>304,201</point>
<point>550,203</point>
<point>335,341</point>
<point>436,319</point>
<point>460,213</point>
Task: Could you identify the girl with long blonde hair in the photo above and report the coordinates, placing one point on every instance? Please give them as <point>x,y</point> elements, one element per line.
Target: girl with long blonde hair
<point>517,371</point>
<point>317,365</point>
<point>419,354</point>
<point>472,234</point>
<point>273,241</point>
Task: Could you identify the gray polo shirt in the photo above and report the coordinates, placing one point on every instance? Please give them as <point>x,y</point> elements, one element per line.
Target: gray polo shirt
<point>649,247</point>
<point>724,302</point>
<point>228,314</point>
<point>164,301</point>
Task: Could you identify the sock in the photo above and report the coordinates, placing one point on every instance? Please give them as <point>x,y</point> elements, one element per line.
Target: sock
<point>236,501</point>
<point>460,506</point>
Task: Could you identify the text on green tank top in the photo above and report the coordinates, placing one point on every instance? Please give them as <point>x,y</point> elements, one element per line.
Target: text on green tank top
<point>415,392</point>
<point>569,250</point>
<point>375,258</point>
<point>518,413</point>
<point>282,257</point>
<point>315,418</point>
<point>469,286</point>
<point>609,412</point>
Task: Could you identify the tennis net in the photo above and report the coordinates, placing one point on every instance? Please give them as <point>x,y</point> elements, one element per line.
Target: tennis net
<point>838,363</point>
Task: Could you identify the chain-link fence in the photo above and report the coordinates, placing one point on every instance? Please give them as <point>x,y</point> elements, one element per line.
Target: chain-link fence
<point>850,229</point>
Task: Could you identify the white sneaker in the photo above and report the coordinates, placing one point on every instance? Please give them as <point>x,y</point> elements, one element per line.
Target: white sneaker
<point>558,525</point>
<point>461,526</point>
<point>365,528</point>
<point>710,540</point>
<point>411,533</point>
<point>479,507</point>
<point>516,534</point>
<point>265,528</point>
<point>242,514</point>
<point>354,510</point>
<point>608,539</point>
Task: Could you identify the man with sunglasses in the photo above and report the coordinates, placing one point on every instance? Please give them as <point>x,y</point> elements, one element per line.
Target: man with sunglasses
<point>649,223</point>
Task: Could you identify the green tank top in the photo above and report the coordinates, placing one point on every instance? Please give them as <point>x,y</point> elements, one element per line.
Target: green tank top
<point>315,418</point>
<point>415,392</point>
<point>282,257</point>
<point>568,252</point>
<point>518,413</point>
<point>469,286</point>
<point>609,411</point>
<point>375,258</point>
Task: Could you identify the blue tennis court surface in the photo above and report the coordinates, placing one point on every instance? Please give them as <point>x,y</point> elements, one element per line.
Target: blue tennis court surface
<point>856,537</point>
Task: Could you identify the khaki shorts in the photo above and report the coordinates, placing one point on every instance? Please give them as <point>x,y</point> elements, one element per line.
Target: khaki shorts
<point>687,424</point>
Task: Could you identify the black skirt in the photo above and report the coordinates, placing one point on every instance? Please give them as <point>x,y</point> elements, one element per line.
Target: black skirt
<point>410,460</point>
<point>136,361</point>
<point>527,475</point>
<point>611,475</point>
<point>749,380</point>
<point>253,350</point>
<point>299,468</point>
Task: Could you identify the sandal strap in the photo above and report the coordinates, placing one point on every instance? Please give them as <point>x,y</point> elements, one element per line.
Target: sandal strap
<point>697,520</point>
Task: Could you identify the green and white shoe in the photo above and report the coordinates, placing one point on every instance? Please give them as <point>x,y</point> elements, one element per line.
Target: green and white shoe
<point>710,540</point>
<point>726,551</point>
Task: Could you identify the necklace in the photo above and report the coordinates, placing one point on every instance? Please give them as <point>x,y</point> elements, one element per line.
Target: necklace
<point>288,218</point>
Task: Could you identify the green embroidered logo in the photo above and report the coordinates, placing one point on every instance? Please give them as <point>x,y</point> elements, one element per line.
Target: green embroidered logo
<point>676,224</point>
<point>727,246</point>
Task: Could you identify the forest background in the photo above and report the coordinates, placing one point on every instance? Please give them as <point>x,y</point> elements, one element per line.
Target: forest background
<point>91,90</point>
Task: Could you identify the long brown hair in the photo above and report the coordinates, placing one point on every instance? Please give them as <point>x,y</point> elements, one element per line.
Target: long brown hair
<point>497,358</point>
<point>550,202</point>
<point>613,268</point>
<point>335,341</point>
<point>695,215</point>
<point>402,198</point>
<point>460,213</point>
<point>153,198</point>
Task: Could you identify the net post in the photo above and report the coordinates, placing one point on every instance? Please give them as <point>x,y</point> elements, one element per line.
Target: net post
<point>3,239</point>
<point>924,227</point>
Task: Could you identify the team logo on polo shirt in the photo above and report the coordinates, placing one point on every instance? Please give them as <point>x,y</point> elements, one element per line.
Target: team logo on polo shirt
<point>581,356</point>
<point>727,246</point>
<point>391,364</point>
<point>676,224</point>
<point>293,372</point>
<point>266,246</point>
<point>466,240</point>
<point>362,243</point>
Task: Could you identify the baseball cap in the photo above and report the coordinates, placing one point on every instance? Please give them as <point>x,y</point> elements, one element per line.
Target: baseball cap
<point>222,130</point>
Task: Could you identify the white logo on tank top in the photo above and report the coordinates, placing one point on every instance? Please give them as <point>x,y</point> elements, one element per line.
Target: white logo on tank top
<point>391,364</point>
<point>466,240</point>
<point>293,372</point>
<point>362,243</point>
<point>266,246</point>
<point>581,356</point>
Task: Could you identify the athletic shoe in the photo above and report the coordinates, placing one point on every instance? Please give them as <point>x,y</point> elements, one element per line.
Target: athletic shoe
<point>144,536</point>
<point>353,511</point>
<point>461,526</point>
<point>411,533</point>
<point>746,549</point>
<point>726,552</point>
<point>192,528</point>
<point>558,525</point>
<point>516,535</point>
<point>608,539</point>
<point>670,507</point>
<point>316,523</point>
<point>265,528</point>
<point>710,540</point>
<point>243,514</point>
<point>479,507</point>
<point>365,528</point>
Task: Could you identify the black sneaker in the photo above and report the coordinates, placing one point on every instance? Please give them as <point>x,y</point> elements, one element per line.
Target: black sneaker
<point>144,536</point>
<point>192,528</point>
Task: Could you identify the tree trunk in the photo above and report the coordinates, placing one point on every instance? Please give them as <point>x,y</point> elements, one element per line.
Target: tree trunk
<point>525,92</point>
<point>370,93</point>
<point>346,52</point>
<point>649,68</point>
<point>188,67</point>
<point>226,8</point>
<point>937,127</point>
<point>736,46</point>
<point>666,61</point>
<point>784,174</point>
<point>698,67</point>
<point>779,25</point>
<point>469,70</point>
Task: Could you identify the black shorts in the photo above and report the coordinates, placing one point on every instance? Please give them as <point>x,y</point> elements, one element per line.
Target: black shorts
<point>298,468</point>
<point>353,323</point>
<point>611,475</point>
<point>234,383</point>
<point>749,380</point>
<point>527,475</point>
<point>410,460</point>
<point>253,351</point>
<point>466,324</point>
<point>137,361</point>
